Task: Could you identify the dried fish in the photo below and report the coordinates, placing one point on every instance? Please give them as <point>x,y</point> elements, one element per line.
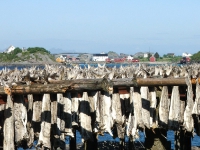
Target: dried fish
<point>188,120</point>
<point>44,137</point>
<point>175,109</point>
<point>8,128</point>
<point>153,104</point>
<point>137,105</point>
<point>164,108</point>
<point>29,123</point>
<point>145,106</point>
<point>196,108</point>
<point>67,116</point>
<point>20,119</point>
<point>93,98</point>
<point>104,113</point>
<point>84,118</point>
<point>74,109</point>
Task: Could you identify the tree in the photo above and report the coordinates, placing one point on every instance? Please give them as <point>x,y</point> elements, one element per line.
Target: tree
<point>16,51</point>
<point>196,56</point>
<point>156,55</point>
<point>149,55</point>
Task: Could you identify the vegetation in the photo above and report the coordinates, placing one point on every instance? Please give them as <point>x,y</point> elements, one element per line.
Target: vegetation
<point>19,55</point>
<point>196,57</point>
<point>157,55</point>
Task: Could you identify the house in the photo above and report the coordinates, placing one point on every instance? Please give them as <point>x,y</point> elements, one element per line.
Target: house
<point>170,55</point>
<point>129,57</point>
<point>152,59</point>
<point>146,55</point>
<point>186,54</point>
<point>10,49</point>
<point>100,57</point>
<point>139,54</point>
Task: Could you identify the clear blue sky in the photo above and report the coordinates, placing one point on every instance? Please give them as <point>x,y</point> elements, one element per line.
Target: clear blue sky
<point>128,26</point>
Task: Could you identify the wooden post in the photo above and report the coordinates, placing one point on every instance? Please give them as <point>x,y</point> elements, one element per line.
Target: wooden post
<point>122,144</point>
<point>91,144</point>
<point>182,140</point>
<point>156,139</point>
<point>73,140</point>
<point>187,141</point>
<point>130,143</point>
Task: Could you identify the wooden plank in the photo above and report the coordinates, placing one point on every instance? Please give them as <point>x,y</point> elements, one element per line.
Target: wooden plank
<point>93,84</point>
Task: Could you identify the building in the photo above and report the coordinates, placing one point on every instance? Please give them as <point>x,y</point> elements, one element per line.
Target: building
<point>186,55</point>
<point>100,57</point>
<point>152,59</point>
<point>128,58</point>
<point>170,55</point>
<point>10,49</point>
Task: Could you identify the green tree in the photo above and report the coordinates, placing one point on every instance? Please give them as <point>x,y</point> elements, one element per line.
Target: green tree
<point>16,50</point>
<point>156,55</point>
<point>196,56</point>
<point>149,55</point>
<point>37,49</point>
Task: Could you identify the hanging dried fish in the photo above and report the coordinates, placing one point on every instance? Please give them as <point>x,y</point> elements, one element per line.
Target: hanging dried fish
<point>44,137</point>
<point>37,111</point>
<point>164,108</point>
<point>29,123</point>
<point>153,104</point>
<point>67,101</point>
<point>8,128</point>
<point>2,119</point>
<point>116,108</point>
<point>93,98</point>
<point>74,109</point>
<point>188,120</point>
<point>20,119</point>
<point>137,105</point>
<point>55,132</point>
<point>145,106</point>
<point>196,108</point>
<point>105,111</point>
<point>175,109</point>
<point>84,118</point>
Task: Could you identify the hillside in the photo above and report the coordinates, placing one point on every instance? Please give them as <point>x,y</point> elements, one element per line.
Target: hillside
<point>31,56</point>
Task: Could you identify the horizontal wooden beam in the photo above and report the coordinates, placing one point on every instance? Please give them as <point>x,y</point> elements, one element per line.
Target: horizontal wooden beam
<point>93,84</point>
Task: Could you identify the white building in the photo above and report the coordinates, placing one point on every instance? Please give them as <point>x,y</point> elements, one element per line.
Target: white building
<point>100,57</point>
<point>10,49</point>
<point>129,57</point>
<point>186,55</point>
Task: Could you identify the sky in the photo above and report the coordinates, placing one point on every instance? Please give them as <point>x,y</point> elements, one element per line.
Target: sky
<point>122,26</point>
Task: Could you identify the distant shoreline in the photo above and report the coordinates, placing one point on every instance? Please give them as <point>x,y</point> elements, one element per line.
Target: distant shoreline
<point>56,63</point>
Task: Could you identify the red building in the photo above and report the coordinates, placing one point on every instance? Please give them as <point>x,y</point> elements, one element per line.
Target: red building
<point>152,59</point>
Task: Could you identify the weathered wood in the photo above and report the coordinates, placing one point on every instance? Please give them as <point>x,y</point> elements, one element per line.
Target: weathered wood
<point>61,86</point>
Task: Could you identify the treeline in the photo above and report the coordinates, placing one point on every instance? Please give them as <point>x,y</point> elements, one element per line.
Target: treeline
<point>29,50</point>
